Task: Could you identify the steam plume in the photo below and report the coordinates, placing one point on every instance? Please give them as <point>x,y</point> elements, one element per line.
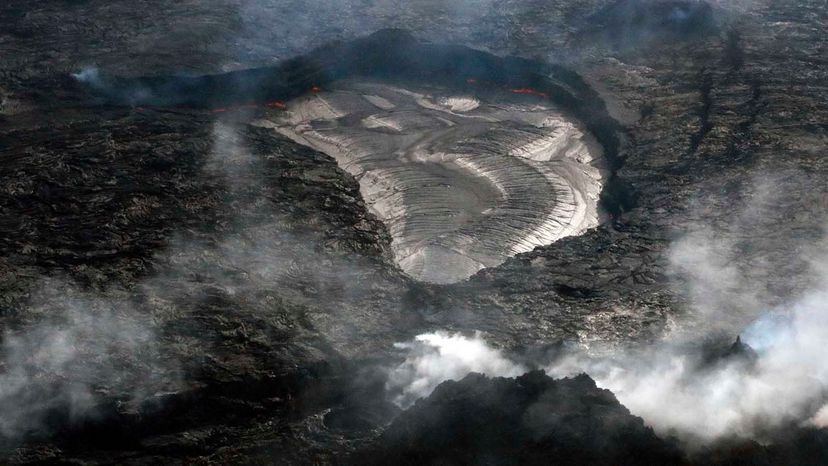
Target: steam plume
<point>436,357</point>
<point>59,367</point>
<point>681,387</point>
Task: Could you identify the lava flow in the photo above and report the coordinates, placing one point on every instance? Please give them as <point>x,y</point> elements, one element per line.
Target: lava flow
<point>529,91</point>
<point>519,90</point>
<point>276,104</point>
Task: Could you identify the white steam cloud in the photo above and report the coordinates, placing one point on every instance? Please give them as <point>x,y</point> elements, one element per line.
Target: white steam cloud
<point>436,357</point>
<point>675,393</point>
<point>91,76</point>
<point>680,386</point>
<point>84,347</point>
<point>668,385</point>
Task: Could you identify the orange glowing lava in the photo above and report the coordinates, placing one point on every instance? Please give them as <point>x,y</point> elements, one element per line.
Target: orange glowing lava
<point>277,104</point>
<point>529,91</point>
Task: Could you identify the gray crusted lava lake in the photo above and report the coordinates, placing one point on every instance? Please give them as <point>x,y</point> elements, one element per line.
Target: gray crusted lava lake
<point>462,181</point>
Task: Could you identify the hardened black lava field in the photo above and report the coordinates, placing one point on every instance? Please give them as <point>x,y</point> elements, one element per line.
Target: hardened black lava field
<point>355,232</point>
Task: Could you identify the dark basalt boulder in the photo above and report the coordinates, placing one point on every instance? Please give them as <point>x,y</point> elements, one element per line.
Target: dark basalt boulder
<point>531,419</point>
<point>741,350</point>
<point>717,353</point>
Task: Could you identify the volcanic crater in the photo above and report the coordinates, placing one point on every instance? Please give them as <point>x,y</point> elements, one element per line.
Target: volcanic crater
<point>462,180</point>
<point>467,158</point>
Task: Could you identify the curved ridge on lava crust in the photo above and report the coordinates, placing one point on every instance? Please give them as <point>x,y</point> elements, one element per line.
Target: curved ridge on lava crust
<point>462,182</point>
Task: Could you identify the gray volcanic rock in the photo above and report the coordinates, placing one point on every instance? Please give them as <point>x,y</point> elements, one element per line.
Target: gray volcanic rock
<point>255,281</point>
<point>172,233</point>
<point>531,419</point>
<point>729,144</point>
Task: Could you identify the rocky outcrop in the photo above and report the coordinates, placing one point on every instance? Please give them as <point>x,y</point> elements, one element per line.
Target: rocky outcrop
<point>531,419</point>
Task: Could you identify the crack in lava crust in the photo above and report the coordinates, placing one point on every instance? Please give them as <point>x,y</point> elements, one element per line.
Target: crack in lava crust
<point>461,182</point>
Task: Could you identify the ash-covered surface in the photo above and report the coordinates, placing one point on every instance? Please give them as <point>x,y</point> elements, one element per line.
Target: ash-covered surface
<point>176,285</point>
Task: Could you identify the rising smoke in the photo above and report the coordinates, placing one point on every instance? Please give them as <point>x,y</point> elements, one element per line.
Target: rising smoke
<point>675,393</point>
<point>91,343</point>
<point>678,386</point>
<point>440,356</point>
<point>90,355</point>
<point>55,373</point>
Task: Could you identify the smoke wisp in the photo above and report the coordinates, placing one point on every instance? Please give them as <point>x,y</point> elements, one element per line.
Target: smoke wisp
<point>84,355</point>
<point>695,383</point>
<point>433,358</point>
<point>57,371</point>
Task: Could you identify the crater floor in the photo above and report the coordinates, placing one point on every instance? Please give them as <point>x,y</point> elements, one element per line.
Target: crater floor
<point>462,181</point>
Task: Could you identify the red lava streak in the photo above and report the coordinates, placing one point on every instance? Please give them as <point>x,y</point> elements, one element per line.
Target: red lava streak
<point>529,91</point>
<point>278,104</point>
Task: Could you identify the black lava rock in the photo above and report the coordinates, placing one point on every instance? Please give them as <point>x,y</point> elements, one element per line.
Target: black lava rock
<point>531,419</point>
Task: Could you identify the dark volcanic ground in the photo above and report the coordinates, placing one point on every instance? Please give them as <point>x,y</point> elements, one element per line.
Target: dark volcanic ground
<point>177,284</point>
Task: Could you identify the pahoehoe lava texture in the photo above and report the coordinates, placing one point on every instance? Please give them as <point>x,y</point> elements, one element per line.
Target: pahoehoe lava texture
<point>462,181</point>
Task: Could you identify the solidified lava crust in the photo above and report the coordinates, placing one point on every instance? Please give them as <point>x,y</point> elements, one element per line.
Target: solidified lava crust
<point>462,183</point>
<point>468,158</point>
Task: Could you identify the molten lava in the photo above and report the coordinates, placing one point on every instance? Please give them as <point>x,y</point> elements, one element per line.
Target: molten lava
<point>519,90</point>
<point>277,104</point>
<point>529,91</point>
